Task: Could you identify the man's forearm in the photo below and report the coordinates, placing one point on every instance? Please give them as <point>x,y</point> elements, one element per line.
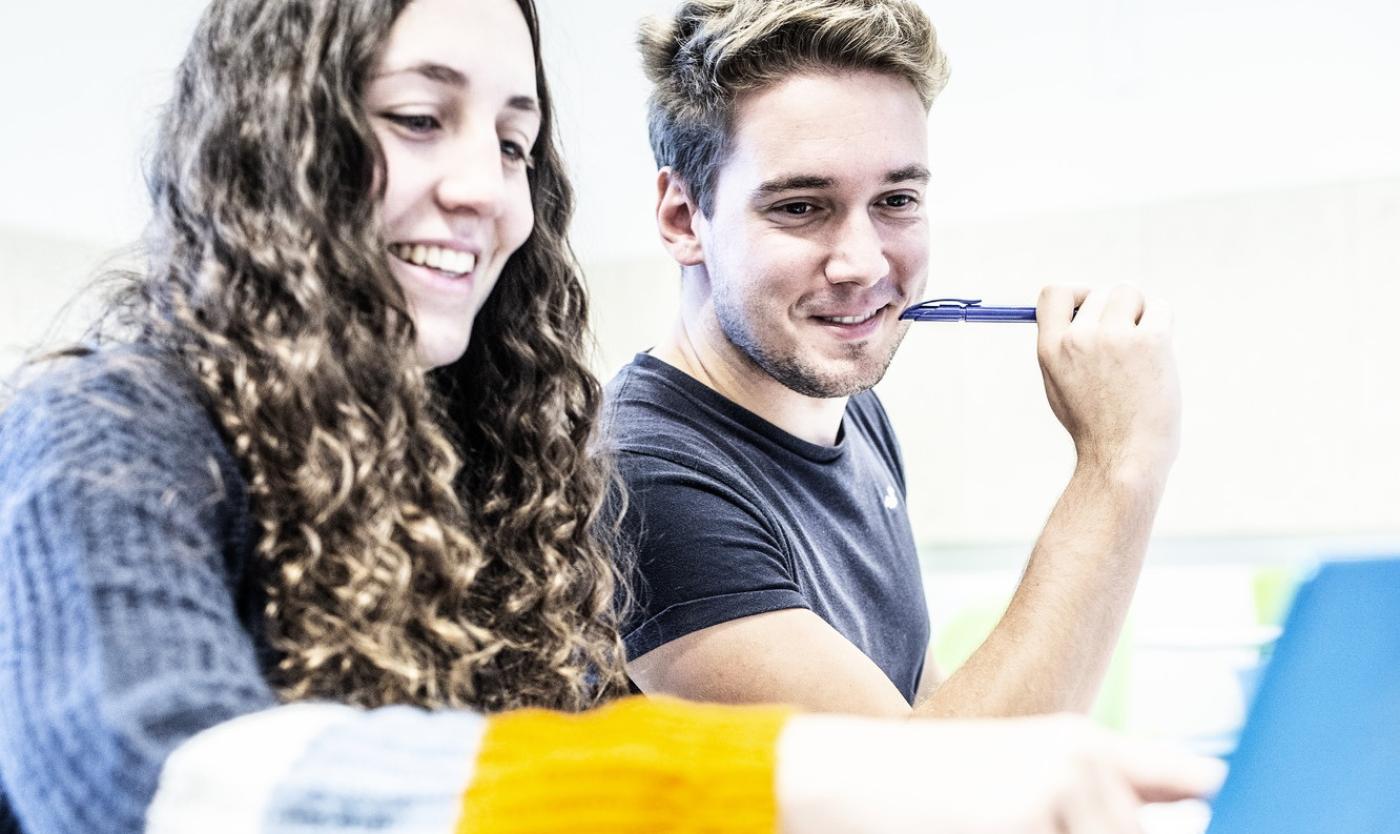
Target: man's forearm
<point>1051,648</point>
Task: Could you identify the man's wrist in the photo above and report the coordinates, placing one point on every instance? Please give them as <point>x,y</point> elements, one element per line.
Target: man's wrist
<point>1142,476</point>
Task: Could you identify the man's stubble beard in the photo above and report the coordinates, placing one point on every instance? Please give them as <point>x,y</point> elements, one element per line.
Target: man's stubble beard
<point>790,369</point>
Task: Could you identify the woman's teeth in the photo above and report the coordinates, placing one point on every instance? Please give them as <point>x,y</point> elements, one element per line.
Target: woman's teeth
<point>436,257</point>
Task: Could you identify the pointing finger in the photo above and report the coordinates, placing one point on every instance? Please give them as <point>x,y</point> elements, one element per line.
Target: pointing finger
<point>1162,775</point>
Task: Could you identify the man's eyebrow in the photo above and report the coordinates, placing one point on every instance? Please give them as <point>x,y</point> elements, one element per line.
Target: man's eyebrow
<point>796,182</point>
<point>793,183</point>
<point>909,173</point>
<point>443,74</point>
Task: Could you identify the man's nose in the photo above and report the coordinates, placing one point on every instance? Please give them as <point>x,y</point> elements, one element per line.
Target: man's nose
<point>858,254</point>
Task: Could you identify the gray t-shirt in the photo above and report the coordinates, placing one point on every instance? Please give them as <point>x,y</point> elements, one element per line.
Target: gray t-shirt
<point>731,516</point>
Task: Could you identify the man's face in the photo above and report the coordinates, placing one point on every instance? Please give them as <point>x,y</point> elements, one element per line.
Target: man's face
<point>818,238</point>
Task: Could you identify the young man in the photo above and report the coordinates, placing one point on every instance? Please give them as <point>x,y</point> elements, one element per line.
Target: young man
<point>767,491</point>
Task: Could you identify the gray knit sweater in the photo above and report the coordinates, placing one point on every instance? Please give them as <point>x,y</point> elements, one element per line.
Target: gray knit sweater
<point>130,687</point>
<point>124,538</point>
<point>132,696</point>
<point>131,692</point>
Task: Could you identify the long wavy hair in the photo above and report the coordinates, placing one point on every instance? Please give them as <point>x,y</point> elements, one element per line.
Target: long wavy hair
<point>430,539</point>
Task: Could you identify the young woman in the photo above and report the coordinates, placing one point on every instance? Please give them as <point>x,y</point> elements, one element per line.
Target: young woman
<point>271,553</point>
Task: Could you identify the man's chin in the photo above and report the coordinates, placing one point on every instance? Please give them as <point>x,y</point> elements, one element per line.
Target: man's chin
<point>860,369</point>
<point>815,367</point>
<point>829,379</point>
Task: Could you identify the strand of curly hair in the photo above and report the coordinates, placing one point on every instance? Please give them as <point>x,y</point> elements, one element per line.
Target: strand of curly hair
<point>401,564</point>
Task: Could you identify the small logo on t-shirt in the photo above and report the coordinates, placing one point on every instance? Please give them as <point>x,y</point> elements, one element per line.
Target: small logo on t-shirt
<point>891,498</point>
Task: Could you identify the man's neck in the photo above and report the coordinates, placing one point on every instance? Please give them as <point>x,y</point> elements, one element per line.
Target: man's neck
<point>713,360</point>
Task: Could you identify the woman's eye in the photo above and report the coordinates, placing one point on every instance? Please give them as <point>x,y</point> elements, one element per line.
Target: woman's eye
<point>514,151</point>
<point>414,122</point>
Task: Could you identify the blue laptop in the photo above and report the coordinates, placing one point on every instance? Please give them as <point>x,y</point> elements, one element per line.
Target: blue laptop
<point>1320,750</point>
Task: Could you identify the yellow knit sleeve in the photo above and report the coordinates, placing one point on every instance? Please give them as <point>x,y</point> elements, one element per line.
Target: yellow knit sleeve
<point>638,766</point>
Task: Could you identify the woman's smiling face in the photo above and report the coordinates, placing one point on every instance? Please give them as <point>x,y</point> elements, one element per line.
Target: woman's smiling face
<point>454,106</point>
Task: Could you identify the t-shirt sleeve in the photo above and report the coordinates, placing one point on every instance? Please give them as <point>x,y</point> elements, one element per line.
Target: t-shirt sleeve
<point>704,552</point>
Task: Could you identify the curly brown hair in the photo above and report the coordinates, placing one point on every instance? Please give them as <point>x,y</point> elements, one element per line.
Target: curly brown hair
<point>424,539</point>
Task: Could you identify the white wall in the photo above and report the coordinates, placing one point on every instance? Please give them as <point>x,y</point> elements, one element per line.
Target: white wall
<point>43,283</point>
<point>1240,157</point>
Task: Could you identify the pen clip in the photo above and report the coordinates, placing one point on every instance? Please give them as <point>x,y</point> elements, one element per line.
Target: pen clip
<point>941,303</point>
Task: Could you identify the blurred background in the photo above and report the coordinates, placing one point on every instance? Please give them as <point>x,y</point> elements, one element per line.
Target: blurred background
<point>1240,157</point>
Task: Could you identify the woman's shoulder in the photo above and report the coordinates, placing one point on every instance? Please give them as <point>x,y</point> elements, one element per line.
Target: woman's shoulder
<point>131,385</point>
<point>130,407</point>
<point>126,371</point>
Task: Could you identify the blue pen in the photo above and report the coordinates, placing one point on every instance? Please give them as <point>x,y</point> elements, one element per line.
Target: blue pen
<point>965,309</point>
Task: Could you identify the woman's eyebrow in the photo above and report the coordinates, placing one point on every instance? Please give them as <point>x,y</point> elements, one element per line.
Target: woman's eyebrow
<point>452,77</point>
<point>440,73</point>
<point>527,104</point>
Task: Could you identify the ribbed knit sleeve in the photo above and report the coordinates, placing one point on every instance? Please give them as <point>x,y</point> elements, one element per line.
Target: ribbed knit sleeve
<point>640,766</point>
<point>119,637</point>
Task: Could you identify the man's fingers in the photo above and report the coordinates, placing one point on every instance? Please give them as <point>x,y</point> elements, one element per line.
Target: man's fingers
<point>1055,308</point>
<point>1123,305</point>
<point>1091,308</point>
<point>1163,775</point>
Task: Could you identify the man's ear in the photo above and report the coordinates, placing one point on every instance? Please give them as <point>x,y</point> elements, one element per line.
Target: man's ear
<point>676,218</point>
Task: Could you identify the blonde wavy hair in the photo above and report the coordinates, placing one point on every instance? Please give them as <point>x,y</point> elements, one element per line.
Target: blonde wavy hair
<point>701,59</point>
<point>429,540</point>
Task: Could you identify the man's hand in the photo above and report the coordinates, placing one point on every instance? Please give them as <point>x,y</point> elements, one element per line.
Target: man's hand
<point>1111,378</point>
<point>1048,775</point>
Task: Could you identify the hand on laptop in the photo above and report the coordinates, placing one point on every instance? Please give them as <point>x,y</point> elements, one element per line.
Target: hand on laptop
<point>1111,377</point>
<point>1053,774</point>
